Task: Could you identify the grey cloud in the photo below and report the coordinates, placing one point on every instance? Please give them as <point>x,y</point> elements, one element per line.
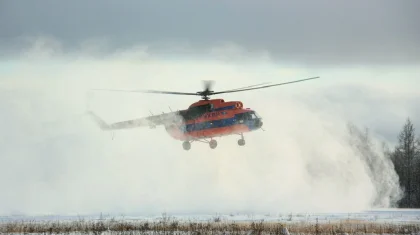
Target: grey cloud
<point>302,31</point>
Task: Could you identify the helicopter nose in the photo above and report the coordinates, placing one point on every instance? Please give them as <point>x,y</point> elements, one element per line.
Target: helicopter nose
<point>258,123</point>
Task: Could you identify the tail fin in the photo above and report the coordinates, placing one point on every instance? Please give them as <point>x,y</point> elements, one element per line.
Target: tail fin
<point>101,123</point>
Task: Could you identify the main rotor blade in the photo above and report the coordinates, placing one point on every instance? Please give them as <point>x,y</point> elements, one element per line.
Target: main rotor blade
<point>279,84</point>
<point>150,91</point>
<point>249,86</point>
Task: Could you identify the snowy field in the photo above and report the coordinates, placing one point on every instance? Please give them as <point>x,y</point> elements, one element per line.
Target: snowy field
<point>380,216</point>
<point>391,221</point>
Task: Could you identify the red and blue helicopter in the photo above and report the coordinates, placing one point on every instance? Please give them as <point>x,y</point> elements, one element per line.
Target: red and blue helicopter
<point>203,120</point>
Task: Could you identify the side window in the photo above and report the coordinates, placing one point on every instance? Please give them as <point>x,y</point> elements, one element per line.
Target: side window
<point>246,116</point>
<point>240,118</point>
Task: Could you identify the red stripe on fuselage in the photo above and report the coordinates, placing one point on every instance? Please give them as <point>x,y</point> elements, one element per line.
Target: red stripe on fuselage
<point>218,131</point>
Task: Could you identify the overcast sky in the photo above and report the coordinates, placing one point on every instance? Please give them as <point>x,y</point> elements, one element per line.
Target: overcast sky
<point>360,32</point>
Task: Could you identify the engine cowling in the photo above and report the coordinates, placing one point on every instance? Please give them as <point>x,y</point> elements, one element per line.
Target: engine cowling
<point>239,105</point>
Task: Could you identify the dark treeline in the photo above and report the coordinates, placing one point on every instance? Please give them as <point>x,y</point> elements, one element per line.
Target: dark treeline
<point>406,159</point>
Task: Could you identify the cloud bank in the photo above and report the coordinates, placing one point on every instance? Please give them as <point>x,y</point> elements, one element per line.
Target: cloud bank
<point>54,159</point>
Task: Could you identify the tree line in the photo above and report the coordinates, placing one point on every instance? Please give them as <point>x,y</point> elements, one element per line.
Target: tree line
<point>406,160</point>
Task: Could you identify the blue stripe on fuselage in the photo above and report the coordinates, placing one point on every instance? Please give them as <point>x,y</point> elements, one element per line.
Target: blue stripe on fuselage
<point>210,124</point>
<point>216,124</point>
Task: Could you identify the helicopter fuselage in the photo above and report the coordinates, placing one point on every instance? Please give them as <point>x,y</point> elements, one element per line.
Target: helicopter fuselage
<point>207,119</point>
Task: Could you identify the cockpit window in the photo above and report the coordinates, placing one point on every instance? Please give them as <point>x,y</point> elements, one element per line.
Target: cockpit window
<point>247,116</point>
<point>252,115</point>
<point>256,114</point>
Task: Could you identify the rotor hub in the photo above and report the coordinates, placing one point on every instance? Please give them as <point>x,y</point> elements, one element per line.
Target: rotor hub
<point>205,95</point>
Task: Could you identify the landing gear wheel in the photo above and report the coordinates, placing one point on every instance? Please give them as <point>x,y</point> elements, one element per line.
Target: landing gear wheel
<point>213,144</point>
<point>241,142</point>
<point>186,145</point>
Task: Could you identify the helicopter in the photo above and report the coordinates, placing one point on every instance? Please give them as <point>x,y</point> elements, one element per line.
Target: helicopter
<point>203,120</point>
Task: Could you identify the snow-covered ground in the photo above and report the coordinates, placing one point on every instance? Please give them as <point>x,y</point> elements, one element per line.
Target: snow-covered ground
<point>384,215</point>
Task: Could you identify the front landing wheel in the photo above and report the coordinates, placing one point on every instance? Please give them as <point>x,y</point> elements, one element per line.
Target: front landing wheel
<point>186,145</point>
<point>213,144</point>
<point>241,142</point>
